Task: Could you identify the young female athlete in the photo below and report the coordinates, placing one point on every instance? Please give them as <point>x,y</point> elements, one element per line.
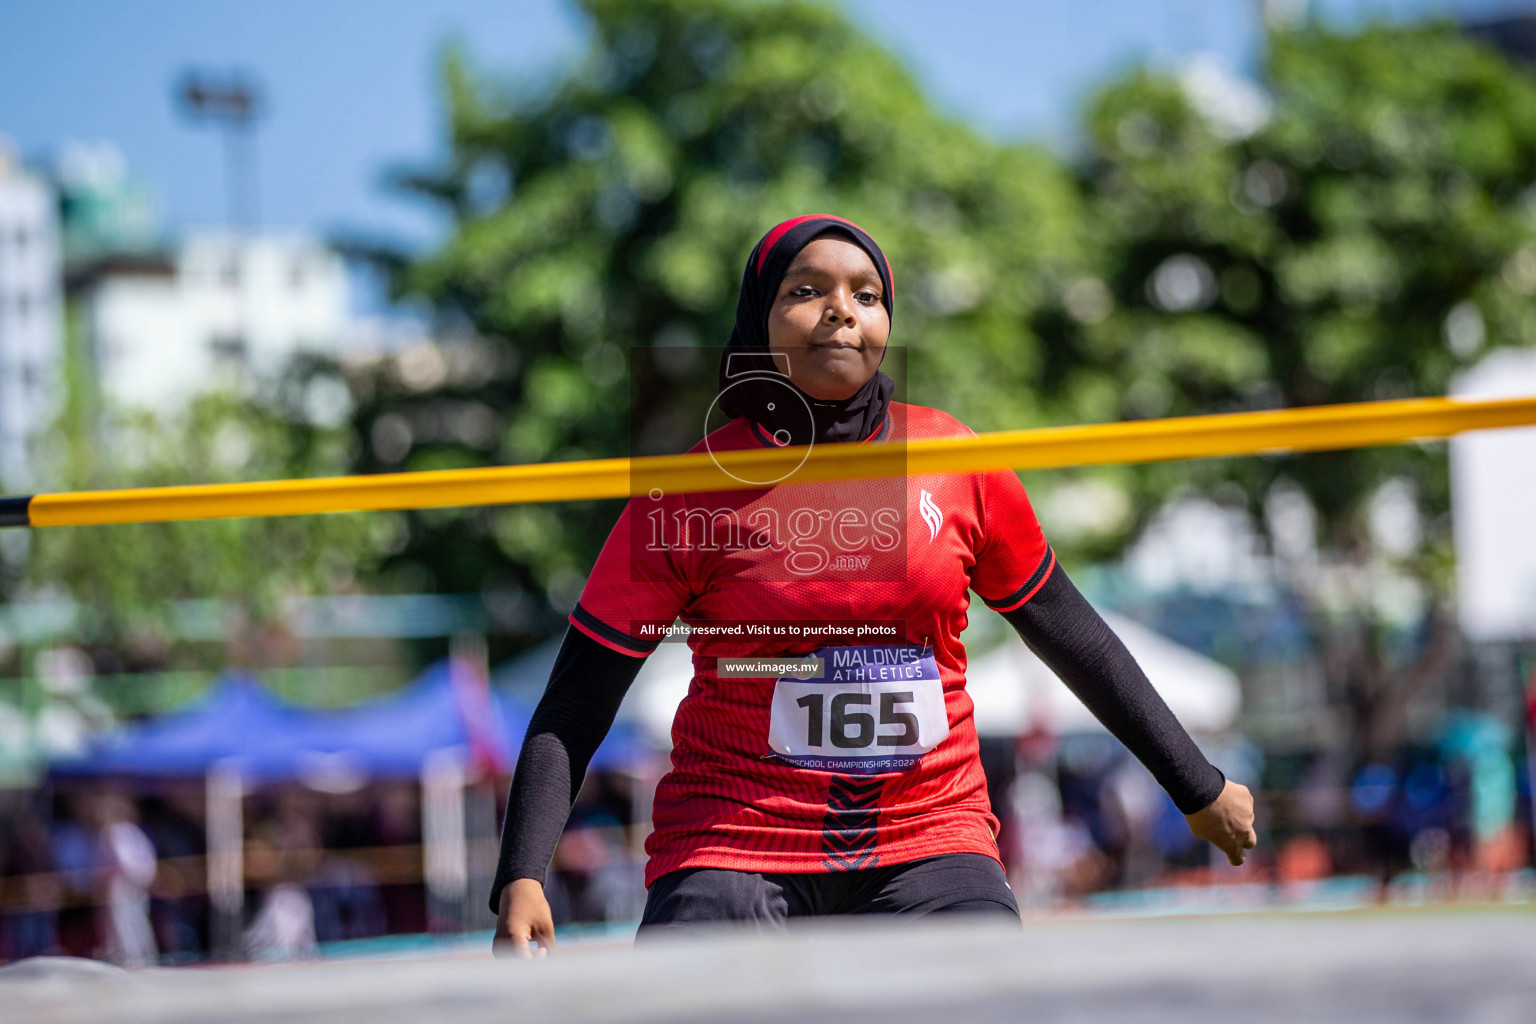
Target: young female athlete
<point>858,790</point>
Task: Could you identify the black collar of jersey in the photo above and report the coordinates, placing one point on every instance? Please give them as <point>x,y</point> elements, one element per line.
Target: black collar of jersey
<point>761,436</point>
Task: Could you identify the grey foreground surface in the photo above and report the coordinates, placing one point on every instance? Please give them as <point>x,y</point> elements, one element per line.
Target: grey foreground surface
<point>1473,966</point>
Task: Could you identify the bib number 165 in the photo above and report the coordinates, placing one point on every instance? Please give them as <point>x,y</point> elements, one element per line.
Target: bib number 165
<point>853,727</point>
<point>857,727</point>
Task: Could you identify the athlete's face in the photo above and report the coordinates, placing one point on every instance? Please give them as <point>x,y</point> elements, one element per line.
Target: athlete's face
<point>829,320</point>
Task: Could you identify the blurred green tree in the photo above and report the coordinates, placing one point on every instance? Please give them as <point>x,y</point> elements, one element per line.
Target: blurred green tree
<point>1376,234</point>
<point>613,208</point>
<point>127,580</point>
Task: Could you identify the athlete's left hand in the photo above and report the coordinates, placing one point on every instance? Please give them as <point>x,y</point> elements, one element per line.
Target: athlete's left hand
<point>1227,822</point>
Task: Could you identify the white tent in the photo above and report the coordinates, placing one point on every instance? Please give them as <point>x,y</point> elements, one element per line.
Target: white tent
<point>1014,691</point>
<point>659,688</point>
<point>1493,489</point>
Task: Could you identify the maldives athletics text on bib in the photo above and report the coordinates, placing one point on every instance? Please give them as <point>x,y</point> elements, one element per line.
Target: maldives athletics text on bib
<point>877,708</point>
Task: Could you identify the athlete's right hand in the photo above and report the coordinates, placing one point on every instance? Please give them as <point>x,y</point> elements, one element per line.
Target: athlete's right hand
<point>524,918</point>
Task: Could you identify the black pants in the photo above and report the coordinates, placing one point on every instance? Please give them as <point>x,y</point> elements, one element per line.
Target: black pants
<point>953,883</point>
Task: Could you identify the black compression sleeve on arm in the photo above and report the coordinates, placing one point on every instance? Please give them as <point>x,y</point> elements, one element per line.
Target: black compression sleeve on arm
<point>1062,628</point>
<point>586,685</point>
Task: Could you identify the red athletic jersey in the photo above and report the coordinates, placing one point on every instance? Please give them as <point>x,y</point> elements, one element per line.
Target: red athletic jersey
<point>875,762</point>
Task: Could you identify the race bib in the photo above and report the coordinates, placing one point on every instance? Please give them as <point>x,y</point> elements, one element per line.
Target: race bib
<point>877,708</point>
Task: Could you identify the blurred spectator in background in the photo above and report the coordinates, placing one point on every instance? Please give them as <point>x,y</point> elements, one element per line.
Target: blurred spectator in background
<point>599,878</point>
<point>126,867</point>
<point>284,928</point>
<point>345,900</point>
<point>74,854</point>
<point>284,852</point>
<point>1528,783</point>
<point>178,905</point>
<point>1371,794</point>
<point>1046,847</point>
<point>395,821</point>
<point>1480,748</point>
<point>30,926</point>
<point>345,889</point>
<point>1131,801</point>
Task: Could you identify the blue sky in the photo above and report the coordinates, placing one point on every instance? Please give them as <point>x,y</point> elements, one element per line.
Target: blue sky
<point>352,84</point>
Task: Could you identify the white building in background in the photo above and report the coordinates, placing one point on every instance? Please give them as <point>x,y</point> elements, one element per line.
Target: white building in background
<point>31,314</point>
<point>219,309</point>
<point>1493,503</point>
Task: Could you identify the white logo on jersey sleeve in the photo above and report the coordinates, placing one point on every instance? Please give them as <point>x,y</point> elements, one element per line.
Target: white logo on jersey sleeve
<point>931,514</point>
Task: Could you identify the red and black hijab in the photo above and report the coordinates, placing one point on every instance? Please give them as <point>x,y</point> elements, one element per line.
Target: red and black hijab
<point>752,383</point>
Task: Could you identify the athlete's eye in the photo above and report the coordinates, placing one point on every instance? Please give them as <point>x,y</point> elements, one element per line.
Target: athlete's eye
<point>869,298</point>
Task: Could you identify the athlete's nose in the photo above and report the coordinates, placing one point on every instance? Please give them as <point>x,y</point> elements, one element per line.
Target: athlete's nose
<point>840,310</point>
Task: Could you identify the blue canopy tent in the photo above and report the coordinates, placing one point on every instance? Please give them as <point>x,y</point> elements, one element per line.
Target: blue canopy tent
<point>395,734</point>
<point>238,722</point>
<point>237,719</point>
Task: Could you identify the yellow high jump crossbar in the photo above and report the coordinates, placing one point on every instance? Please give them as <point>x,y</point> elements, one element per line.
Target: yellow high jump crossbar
<point>1318,428</point>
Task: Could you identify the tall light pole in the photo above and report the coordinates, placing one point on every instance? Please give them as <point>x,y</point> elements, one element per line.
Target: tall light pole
<point>233,102</point>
